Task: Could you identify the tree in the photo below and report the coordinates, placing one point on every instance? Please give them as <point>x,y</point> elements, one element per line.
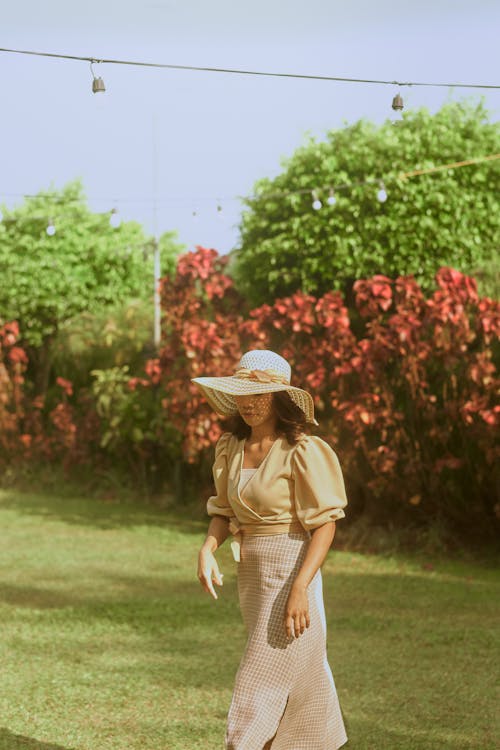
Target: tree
<point>87,265</point>
<point>448,218</point>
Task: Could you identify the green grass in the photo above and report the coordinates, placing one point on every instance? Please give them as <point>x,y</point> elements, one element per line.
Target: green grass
<point>109,643</point>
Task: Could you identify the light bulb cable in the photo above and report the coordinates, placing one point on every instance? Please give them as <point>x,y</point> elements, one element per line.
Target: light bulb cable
<point>238,71</point>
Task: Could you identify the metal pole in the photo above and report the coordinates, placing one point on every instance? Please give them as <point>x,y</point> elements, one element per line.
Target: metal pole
<point>156,299</point>
<point>156,244</point>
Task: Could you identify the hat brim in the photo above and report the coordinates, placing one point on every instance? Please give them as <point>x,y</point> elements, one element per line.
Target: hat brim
<point>220,391</point>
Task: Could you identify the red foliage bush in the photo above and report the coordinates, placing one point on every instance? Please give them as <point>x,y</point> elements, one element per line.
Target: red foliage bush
<point>201,322</point>
<point>409,404</point>
<point>13,361</point>
<point>58,430</point>
<point>28,429</point>
<point>421,408</point>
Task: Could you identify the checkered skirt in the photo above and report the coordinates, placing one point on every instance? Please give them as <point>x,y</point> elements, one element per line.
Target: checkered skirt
<point>284,689</point>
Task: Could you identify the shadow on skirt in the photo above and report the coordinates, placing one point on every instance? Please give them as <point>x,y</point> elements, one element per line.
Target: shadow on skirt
<point>284,689</point>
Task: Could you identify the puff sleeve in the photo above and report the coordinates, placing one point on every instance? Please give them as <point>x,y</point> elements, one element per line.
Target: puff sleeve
<point>320,494</point>
<point>218,505</point>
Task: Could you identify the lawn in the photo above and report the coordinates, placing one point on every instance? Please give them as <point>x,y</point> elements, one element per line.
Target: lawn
<point>109,643</point>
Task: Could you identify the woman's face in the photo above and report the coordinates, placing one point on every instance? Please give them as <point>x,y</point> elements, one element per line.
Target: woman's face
<point>256,408</point>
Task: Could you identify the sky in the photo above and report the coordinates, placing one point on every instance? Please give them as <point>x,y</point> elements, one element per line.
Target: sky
<point>167,147</point>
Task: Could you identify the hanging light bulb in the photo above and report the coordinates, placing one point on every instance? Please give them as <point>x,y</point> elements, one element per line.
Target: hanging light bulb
<point>114,219</point>
<point>51,230</point>
<point>397,107</point>
<point>194,214</point>
<point>331,200</point>
<point>98,85</point>
<point>382,195</point>
<point>316,201</point>
<point>97,82</point>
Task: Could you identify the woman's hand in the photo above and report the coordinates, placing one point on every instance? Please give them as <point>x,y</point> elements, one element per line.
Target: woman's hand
<point>297,606</point>
<point>208,571</point>
<point>297,611</point>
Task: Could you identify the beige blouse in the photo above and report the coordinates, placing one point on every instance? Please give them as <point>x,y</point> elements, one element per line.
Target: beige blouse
<point>295,487</point>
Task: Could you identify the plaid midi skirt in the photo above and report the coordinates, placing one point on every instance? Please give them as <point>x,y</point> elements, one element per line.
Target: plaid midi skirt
<point>284,688</point>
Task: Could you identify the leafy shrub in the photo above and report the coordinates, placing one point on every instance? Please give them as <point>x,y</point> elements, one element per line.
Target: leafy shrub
<point>104,339</point>
<point>134,432</point>
<point>446,218</point>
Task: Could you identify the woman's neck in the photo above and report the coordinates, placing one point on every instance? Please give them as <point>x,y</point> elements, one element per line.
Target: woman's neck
<point>262,432</point>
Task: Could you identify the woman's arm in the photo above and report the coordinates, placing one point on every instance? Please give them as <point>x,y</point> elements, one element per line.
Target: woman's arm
<point>208,569</point>
<point>297,608</point>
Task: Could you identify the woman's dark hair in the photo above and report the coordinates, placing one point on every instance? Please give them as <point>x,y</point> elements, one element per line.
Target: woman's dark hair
<point>291,420</point>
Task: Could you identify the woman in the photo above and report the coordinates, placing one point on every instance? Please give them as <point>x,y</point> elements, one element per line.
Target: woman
<point>279,492</point>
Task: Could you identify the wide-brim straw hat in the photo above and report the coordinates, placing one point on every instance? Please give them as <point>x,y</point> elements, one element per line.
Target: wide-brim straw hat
<point>258,371</point>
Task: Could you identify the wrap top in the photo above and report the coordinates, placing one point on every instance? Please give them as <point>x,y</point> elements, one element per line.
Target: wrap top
<point>295,487</point>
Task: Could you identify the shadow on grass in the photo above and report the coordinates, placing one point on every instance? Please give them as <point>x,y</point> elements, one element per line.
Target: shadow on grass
<point>10,741</point>
<point>368,735</point>
<point>177,620</point>
<point>187,640</point>
<point>34,597</point>
<point>388,591</point>
<point>104,514</point>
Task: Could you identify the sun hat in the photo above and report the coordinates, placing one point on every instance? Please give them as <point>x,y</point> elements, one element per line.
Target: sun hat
<point>258,371</point>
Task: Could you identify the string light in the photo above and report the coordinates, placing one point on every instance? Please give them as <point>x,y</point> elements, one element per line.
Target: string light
<point>316,201</point>
<point>331,200</point>
<point>97,82</point>
<point>376,180</point>
<point>279,193</point>
<point>114,219</point>
<point>51,230</point>
<point>382,195</point>
<point>397,106</point>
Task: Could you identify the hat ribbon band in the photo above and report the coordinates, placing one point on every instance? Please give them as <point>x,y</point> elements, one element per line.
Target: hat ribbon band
<point>261,376</point>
